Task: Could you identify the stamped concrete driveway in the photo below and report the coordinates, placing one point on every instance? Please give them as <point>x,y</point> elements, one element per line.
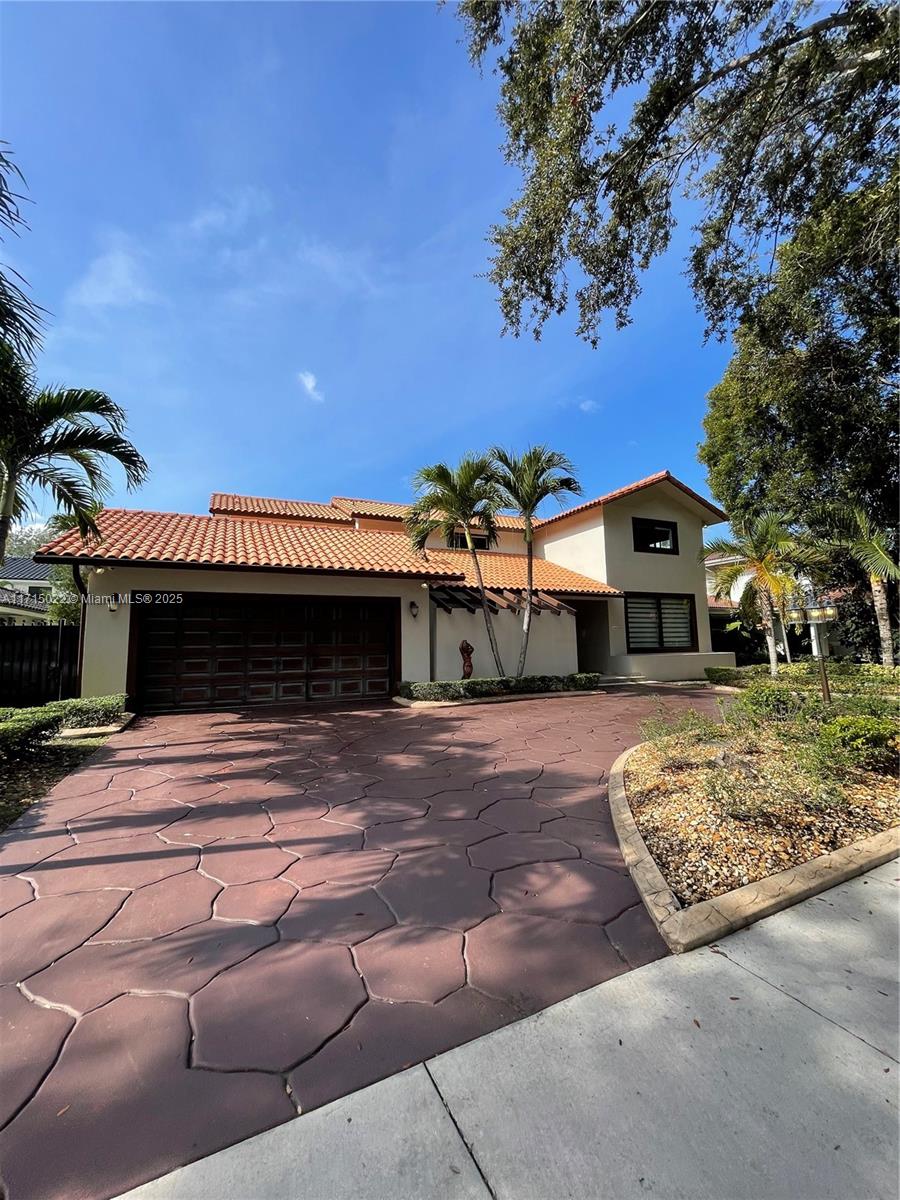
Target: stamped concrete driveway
<point>227,919</point>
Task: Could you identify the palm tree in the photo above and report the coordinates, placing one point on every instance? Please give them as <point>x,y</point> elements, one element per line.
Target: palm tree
<point>449,499</point>
<point>849,528</point>
<point>58,439</point>
<point>525,481</point>
<point>764,556</point>
<point>20,318</point>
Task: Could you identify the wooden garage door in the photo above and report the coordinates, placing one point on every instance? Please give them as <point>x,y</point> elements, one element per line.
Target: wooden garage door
<point>216,651</point>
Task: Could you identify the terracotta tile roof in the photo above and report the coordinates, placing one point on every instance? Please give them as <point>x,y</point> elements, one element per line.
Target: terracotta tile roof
<point>132,536</point>
<point>659,477</point>
<point>229,503</point>
<point>391,510</point>
<point>509,571</point>
<point>721,602</point>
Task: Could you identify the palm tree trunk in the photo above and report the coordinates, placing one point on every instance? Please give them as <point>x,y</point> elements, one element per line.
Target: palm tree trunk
<point>529,597</point>
<point>883,617</point>
<point>489,624</point>
<point>784,635</point>
<point>6,513</point>
<point>768,624</point>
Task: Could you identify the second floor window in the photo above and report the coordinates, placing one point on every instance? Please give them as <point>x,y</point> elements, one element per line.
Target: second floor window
<point>458,541</point>
<point>654,537</point>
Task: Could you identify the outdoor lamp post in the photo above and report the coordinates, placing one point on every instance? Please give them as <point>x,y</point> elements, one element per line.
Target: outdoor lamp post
<point>816,614</point>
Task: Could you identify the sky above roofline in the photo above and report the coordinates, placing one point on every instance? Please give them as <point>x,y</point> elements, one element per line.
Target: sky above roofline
<point>262,230</point>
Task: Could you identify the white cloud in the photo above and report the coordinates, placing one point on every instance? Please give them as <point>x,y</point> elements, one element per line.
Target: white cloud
<point>308,383</point>
<point>115,279</point>
<point>229,216</point>
<point>589,406</point>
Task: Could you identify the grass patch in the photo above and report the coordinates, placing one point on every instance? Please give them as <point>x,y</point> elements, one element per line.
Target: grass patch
<point>29,776</point>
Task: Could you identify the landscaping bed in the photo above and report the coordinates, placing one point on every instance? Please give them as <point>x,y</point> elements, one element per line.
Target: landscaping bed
<point>781,780</point>
<point>503,685</point>
<point>33,754</point>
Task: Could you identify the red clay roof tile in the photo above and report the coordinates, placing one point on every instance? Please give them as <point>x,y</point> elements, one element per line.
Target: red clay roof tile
<point>659,477</point>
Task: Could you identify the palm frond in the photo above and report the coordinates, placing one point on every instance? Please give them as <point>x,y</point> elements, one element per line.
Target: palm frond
<point>77,404</point>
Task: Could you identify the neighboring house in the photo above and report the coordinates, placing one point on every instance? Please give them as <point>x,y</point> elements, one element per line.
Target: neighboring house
<point>18,608</point>
<point>26,575</point>
<point>287,600</point>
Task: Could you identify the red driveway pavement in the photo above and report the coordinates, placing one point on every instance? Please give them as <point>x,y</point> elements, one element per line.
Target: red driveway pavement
<point>225,919</point>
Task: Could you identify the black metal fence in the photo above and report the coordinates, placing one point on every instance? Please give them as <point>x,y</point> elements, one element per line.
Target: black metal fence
<point>38,663</point>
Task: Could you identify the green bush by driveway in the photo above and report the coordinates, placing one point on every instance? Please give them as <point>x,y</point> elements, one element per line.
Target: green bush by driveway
<point>505,685</point>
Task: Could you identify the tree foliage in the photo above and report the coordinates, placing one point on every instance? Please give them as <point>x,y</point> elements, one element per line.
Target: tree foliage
<point>58,439</point>
<point>765,111</point>
<point>806,413</point>
<point>20,317</point>
<point>525,481</point>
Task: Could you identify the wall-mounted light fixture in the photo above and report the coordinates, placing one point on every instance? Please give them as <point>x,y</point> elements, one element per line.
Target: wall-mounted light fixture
<point>111,605</point>
<point>413,609</point>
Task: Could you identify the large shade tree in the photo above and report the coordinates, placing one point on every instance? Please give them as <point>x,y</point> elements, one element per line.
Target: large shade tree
<point>60,440</point>
<point>763,112</point>
<point>452,499</point>
<point>525,482</point>
<point>806,413</point>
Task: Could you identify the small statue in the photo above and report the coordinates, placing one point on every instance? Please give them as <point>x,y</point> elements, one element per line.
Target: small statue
<point>466,651</point>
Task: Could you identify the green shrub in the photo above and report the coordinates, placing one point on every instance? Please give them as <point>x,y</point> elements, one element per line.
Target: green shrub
<point>804,675</point>
<point>869,743</point>
<point>88,710</point>
<point>771,702</point>
<point>26,729</point>
<point>680,722</point>
<point>725,675</point>
<point>506,685</point>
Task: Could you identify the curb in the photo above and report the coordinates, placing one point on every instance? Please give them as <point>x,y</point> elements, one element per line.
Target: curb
<point>687,928</point>
<point>98,730</point>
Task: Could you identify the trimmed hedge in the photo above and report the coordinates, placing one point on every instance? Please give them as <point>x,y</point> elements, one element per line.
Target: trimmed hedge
<point>23,729</point>
<point>29,727</point>
<point>89,710</point>
<point>505,685</point>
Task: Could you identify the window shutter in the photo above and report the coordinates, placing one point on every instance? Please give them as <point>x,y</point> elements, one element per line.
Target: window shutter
<point>677,627</point>
<point>642,616</point>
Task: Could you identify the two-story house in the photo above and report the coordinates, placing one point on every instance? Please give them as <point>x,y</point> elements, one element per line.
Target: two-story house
<point>266,601</point>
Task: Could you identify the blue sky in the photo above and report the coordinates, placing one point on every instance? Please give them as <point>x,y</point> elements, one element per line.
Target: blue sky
<point>260,227</point>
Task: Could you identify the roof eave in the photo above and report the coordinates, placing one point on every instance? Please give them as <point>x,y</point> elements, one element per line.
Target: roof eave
<point>87,560</point>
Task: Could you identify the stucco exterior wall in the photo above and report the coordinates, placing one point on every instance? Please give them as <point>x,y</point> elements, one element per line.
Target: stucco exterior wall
<point>552,648</point>
<point>509,541</point>
<point>105,662</point>
<point>637,572</point>
<point>662,667</point>
<point>578,544</point>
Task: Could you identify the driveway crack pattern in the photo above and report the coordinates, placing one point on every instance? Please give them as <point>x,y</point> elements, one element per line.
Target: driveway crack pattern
<point>225,919</point>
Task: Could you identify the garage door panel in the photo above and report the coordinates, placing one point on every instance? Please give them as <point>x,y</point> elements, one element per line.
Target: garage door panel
<point>236,650</point>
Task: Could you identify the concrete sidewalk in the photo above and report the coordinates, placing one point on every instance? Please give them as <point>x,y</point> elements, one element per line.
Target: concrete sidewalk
<point>763,1068</point>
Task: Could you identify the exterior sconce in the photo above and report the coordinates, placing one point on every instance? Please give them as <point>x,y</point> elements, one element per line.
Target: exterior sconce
<point>413,609</point>
<point>111,605</point>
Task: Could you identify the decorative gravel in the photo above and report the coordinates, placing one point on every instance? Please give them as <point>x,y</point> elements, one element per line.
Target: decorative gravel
<point>716,816</point>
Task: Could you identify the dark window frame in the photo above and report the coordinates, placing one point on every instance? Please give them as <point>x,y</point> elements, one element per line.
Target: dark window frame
<point>458,541</point>
<point>644,523</point>
<point>659,597</point>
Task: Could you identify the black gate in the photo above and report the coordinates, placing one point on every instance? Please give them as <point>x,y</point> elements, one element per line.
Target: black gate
<point>38,663</point>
